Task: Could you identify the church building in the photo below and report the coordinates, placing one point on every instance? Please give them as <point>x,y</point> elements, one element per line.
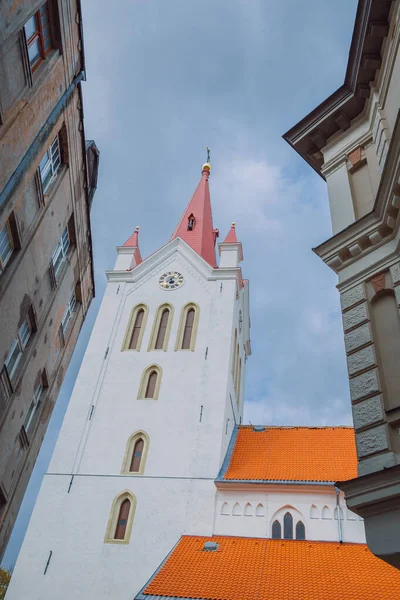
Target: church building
<point>156,489</point>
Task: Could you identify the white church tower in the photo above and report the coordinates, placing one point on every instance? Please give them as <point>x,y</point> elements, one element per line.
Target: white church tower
<point>149,421</point>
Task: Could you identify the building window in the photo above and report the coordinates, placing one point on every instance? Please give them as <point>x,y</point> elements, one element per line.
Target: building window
<point>50,164</point>
<point>68,315</point>
<point>136,454</point>
<point>161,328</point>
<point>191,222</point>
<point>150,383</point>
<point>121,519</point>
<point>187,330</point>
<point>300,531</point>
<point>38,36</point>
<point>239,378</point>
<point>60,254</point>
<point>136,326</point>
<point>234,357</point>
<point>19,344</point>
<point>288,526</point>
<point>34,405</point>
<point>6,246</point>
<point>276,530</point>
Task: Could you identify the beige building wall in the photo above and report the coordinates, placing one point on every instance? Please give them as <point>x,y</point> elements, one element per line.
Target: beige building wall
<point>46,286</point>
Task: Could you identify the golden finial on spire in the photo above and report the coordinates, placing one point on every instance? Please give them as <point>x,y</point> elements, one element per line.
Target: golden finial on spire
<point>207,165</point>
<point>233,224</point>
<point>137,228</point>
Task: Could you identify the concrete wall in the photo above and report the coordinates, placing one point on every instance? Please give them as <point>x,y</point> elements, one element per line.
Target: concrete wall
<point>39,222</point>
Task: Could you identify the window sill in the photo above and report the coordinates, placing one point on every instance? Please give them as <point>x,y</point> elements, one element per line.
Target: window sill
<point>118,542</point>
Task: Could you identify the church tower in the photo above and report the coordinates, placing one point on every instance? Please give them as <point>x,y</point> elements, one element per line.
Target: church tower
<point>156,400</point>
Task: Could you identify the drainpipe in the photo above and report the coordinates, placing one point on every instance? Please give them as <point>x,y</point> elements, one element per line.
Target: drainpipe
<point>38,142</point>
<point>339,520</point>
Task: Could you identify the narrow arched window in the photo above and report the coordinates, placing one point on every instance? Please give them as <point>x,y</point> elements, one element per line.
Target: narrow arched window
<point>162,329</point>
<point>234,357</point>
<point>151,385</point>
<point>120,530</point>
<point>225,509</point>
<point>239,383</point>
<point>260,510</point>
<point>133,344</point>
<point>300,531</point>
<point>276,530</point>
<point>187,333</point>
<point>137,456</point>
<point>288,526</point>
<point>248,510</point>
<point>191,222</point>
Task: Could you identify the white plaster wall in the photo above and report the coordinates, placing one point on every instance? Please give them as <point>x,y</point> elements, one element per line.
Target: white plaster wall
<point>278,499</point>
<point>340,198</point>
<point>176,494</point>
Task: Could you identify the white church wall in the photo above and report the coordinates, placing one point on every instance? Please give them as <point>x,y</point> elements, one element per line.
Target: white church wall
<point>236,512</point>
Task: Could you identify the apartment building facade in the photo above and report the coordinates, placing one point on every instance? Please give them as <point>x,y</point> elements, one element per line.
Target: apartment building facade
<point>353,141</point>
<point>48,175</point>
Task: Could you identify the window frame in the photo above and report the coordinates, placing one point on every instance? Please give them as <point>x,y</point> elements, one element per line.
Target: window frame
<point>114,516</point>
<point>130,446</point>
<point>144,382</point>
<point>52,164</point>
<point>61,249</point>
<point>10,244</point>
<point>68,316</point>
<point>38,36</point>
<point>131,325</point>
<point>19,343</point>
<point>156,327</point>
<point>182,324</point>
<point>34,405</point>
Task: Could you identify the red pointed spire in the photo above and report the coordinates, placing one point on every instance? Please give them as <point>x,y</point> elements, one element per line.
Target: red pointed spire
<point>231,237</point>
<point>195,226</point>
<point>133,242</point>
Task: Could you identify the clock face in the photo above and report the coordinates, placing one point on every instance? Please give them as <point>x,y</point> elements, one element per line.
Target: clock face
<point>171,280</point>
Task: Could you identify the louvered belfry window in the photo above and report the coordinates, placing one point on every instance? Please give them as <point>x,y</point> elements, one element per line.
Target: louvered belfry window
<point>137,456</point>
<point>120,530</point>
<point>136,329</point>
<point>151,385</point>
<point>187,334</point>
<point>162,329</point>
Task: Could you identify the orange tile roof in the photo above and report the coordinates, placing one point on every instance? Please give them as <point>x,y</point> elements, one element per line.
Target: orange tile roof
<point>293,454</point>
<point>265,569</point>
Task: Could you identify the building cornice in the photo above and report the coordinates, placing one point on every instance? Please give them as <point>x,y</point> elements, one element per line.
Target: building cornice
<point>375,228</point>
<point>336,113</point>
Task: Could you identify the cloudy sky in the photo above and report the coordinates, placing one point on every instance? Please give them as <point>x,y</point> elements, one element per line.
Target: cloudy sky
<point>166,78</point>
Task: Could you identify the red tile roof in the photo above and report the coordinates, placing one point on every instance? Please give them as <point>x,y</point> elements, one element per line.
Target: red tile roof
<point>265,569</point>
<point>202,237</point>
<point>293,454</point>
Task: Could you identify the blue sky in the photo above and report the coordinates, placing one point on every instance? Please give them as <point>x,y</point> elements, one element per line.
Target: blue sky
<point>166,79</point>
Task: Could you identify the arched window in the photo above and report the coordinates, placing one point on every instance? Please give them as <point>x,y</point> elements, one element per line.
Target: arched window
<point>121,519</point>
<point>335,513</point>
<point>135,330</point>
<point>161,328</point>
<point>386,327</point>
<point>260,510</point>
<point>288,526</point>
<point>137,456</point>
<point>137,327</point>
<point>225,509</point>
<point>300,531</point>
<point>191,222</point>
<point>135,453</point>
<point>187,331</point>
<point>313,512</point>
<point>276,530</point>
<point>239,383</point>
<point>122,522</point>
<point>150,383</point>
<point>248,510</point>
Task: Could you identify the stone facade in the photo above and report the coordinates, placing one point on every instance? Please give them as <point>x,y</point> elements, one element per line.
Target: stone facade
<point>47,179</point>
<point>357,150</point>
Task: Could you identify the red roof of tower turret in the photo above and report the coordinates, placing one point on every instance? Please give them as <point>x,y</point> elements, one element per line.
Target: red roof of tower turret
<point>231,237</point>
<point>195,226</point>
<point>133,242</point>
